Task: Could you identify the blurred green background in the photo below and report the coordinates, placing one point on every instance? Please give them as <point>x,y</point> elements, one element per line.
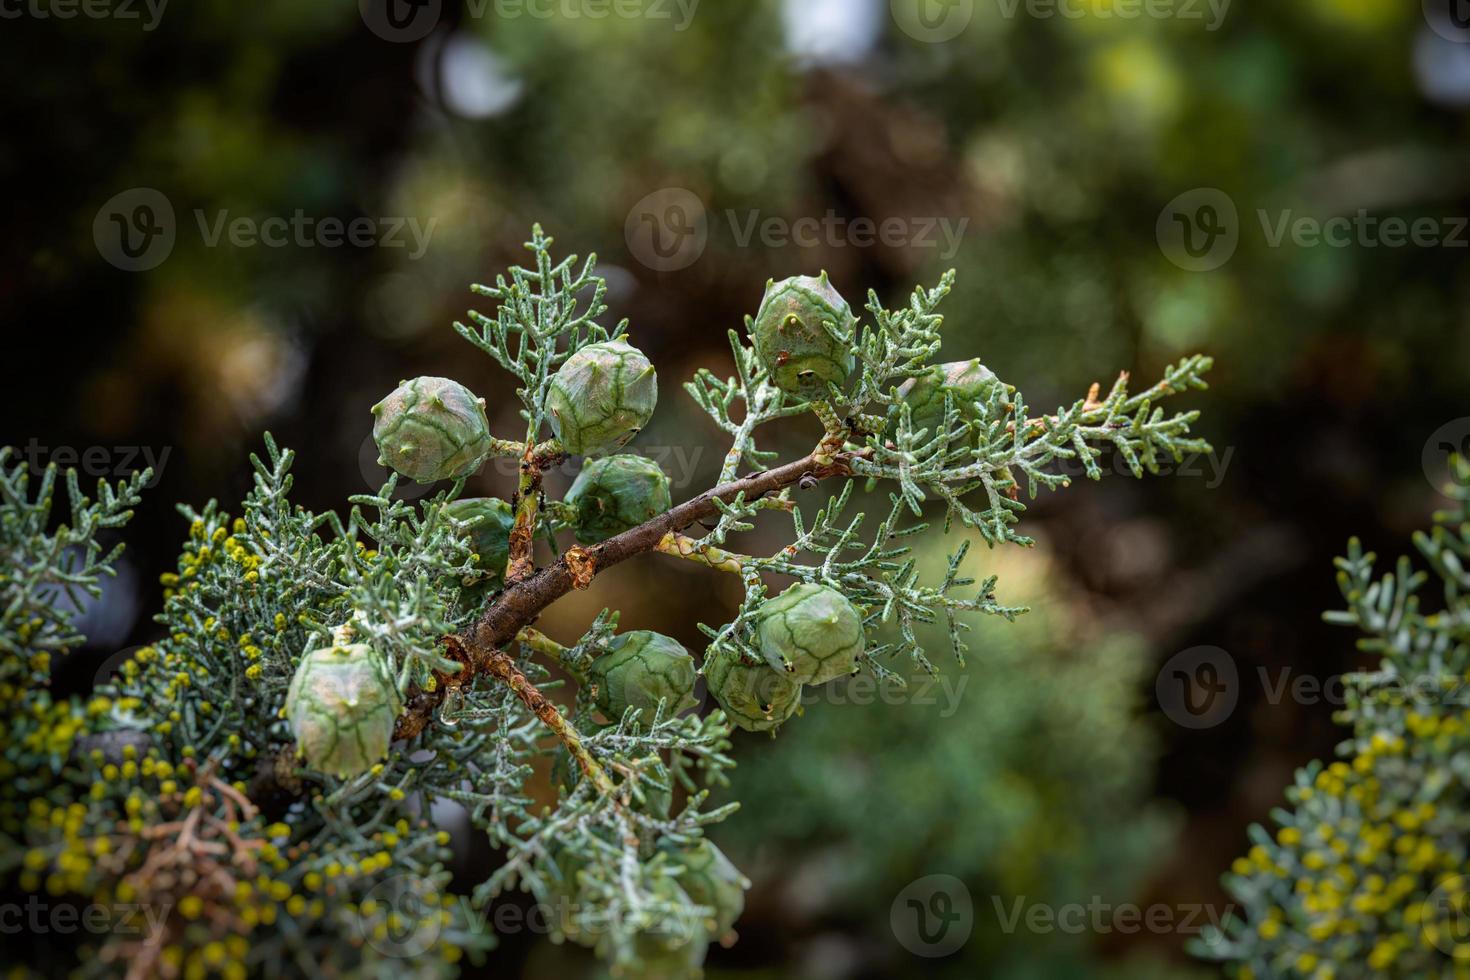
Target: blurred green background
<point>1113,186</point>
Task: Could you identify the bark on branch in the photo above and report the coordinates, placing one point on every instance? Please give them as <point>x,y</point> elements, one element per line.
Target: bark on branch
<point>521,602</point>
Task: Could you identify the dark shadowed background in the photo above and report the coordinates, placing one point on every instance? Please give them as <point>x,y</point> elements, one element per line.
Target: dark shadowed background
<point>229,218</point>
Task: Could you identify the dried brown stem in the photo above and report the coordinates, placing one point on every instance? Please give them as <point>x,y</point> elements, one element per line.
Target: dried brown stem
<point>479,648</point>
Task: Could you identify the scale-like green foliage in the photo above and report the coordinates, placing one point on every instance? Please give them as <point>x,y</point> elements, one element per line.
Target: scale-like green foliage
<point>203,727</point>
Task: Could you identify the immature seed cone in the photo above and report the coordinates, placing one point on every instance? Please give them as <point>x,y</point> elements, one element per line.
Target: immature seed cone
<point>665,951</point>
<point>799,335</point>
<point>966,382</point>
<point>616,493</point>
<point>811,633</point>
<point>490,536</point>
<point>342,705</point>
<point>755,697</point>
<point>431,429</point>
<point>565,890</point>
<point>640,669</point>
<point>710,879</point>
<point>601,397</point>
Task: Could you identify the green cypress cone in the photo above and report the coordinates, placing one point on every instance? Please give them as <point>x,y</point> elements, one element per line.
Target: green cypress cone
<point>793,335</point>
<point>710,879</point>
<point>755,697</point>
<point>664,952</point>
<point>342,706</point>
<point>811,633</point>
<point>431,429</point>
<point>966,382</point>
<point>602,397</point>
<point>640,668</point>
<point>490,537</point>
<point>616,493</point>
